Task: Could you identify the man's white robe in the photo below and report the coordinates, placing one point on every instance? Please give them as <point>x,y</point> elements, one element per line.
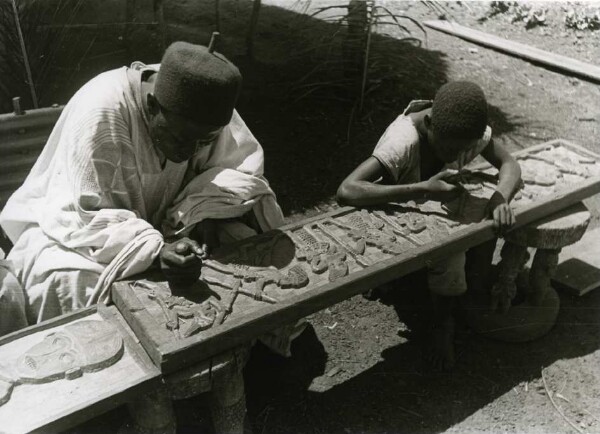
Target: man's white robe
<point>91,208</point>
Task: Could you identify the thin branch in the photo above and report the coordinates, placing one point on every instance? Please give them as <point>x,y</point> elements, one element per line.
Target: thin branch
<point>323,9</point>
<point>366,64</point>
<point>412,20</point>
<point>575,427</point>
<point>350,122</point>
<point>252,29</point>
<point>389,23</point>
<point>25,58</point>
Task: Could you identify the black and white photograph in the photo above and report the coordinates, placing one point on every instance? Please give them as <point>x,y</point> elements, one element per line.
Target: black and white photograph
<point>299,217</point>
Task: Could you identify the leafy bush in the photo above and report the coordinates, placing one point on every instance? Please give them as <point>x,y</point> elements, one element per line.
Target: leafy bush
<point>531,15</point>
<point>586,19</point>
<point>358,62</point>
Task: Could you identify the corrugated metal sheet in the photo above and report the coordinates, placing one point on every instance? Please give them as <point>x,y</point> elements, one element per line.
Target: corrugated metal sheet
<point>32,119</point>
<point>22,137</point>
<point>18,163</point>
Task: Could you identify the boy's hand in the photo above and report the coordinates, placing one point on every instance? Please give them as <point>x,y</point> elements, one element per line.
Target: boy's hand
<point>206,234</point>
<point>499,209</point>
<point>440,190</point>
<point>181,261</point>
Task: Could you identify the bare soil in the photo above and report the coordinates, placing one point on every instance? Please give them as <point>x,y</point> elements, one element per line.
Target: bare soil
<point>358,368</point>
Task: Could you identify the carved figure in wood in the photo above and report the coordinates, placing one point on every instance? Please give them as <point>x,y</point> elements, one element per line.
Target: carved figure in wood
<point>186,318</point>
<point>236,289</point>
<point>372,231</point>
<point>84,346</point>
<point>537,310</point>
<point>543,268</point>
<point>400,227</point>
<point>355,249</point>
<point>512,262</point>
<point>182,316</point>
<point>318,254</point>
<point>295,277</point>
<point>334,259</point>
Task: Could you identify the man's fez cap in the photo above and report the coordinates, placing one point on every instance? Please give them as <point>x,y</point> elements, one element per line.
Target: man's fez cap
<point>198,83</point>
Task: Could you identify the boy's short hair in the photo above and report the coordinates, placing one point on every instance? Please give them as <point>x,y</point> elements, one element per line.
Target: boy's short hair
<point>459,111</point>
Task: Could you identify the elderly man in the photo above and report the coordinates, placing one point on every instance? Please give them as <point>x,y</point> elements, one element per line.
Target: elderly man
<point>138,157</point>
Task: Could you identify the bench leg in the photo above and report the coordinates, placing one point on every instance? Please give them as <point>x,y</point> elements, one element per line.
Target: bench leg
<point>228,403</point>
<point>504,290</point>
<point>152,413</point>
<point>543,268</point>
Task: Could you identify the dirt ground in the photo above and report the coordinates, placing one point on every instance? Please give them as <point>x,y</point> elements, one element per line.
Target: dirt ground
<point>358,367</point>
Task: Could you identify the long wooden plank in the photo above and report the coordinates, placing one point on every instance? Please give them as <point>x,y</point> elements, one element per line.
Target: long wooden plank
<point>241,329</point>
<point>555,61</point>
<point>247,325</point>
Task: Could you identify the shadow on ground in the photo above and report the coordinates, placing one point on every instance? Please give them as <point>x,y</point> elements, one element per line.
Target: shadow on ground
<point>399,395</point>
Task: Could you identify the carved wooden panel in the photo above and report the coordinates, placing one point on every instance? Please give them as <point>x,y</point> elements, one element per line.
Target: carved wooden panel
<point>61,372</point>
<point>276,278</point>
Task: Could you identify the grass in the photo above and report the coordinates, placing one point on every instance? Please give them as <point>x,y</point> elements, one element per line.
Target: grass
<point>42,43</point>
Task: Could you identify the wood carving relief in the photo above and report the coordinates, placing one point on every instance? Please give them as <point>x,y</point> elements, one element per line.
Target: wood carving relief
<point>78,348</point>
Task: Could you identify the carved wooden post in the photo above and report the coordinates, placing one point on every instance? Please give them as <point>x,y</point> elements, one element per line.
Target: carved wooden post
<point>504,290</point>
<point>17,110</point>
<point>536,315</point>
<point>228,403</point>
<point>152,413</point>
<point>542,269</point>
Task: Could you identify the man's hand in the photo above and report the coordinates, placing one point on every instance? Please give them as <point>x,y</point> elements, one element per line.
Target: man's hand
<point>499,209</point>
<point>181,261</point>
<point>206,234</point>
<point>437,188</point>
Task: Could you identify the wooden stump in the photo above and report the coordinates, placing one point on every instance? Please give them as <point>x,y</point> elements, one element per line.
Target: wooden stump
<point>151,413</point>
<point>504,290</point>
<point>536,315</point>
<point>228,403</point>
<point>554,232</point>
<point>221,376</point>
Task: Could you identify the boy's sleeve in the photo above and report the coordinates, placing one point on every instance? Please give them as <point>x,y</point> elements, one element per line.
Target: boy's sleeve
<point>396,148</point>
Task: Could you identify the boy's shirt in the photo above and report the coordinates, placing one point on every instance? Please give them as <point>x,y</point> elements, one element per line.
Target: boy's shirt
<point>398,148</point>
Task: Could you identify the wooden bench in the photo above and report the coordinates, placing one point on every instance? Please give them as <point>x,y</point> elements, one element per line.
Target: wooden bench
<point>245,265</point>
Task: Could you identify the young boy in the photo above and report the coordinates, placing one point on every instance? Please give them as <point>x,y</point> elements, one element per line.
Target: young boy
<point>407,164</point>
